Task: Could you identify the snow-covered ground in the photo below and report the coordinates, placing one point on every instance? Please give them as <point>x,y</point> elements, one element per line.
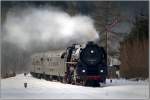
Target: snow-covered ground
<point>37,89</point>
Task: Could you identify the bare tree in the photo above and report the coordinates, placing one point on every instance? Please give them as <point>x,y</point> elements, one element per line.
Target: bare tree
<point>134,51</point>
<point>107,15</point>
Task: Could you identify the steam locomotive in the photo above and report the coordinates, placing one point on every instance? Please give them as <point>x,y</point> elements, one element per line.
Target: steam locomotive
<point>83,65</point>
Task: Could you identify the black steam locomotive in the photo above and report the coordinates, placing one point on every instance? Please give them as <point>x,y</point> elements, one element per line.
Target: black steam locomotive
<point>89,67</point>
<point>84,65</point>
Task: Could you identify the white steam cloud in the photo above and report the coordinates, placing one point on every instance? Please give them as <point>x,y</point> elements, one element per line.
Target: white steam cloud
<point>47,27</point>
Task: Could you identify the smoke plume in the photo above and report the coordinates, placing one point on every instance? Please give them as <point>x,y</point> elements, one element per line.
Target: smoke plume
<point>47,27</point>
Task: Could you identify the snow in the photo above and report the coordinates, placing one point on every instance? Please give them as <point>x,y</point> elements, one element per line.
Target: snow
<point>41,89</point>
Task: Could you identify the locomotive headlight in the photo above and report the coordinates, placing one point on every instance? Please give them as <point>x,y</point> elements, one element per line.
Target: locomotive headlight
<point>83,70</point>
<point>101,71</point>
<point>92,51</point>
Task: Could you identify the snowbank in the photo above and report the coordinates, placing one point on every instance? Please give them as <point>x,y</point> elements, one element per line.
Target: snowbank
<point>41,89</point>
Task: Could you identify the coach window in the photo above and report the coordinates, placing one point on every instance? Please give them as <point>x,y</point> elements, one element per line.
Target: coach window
<point>37,62</point>
<point>50,59</point>
<point>41,59</point>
